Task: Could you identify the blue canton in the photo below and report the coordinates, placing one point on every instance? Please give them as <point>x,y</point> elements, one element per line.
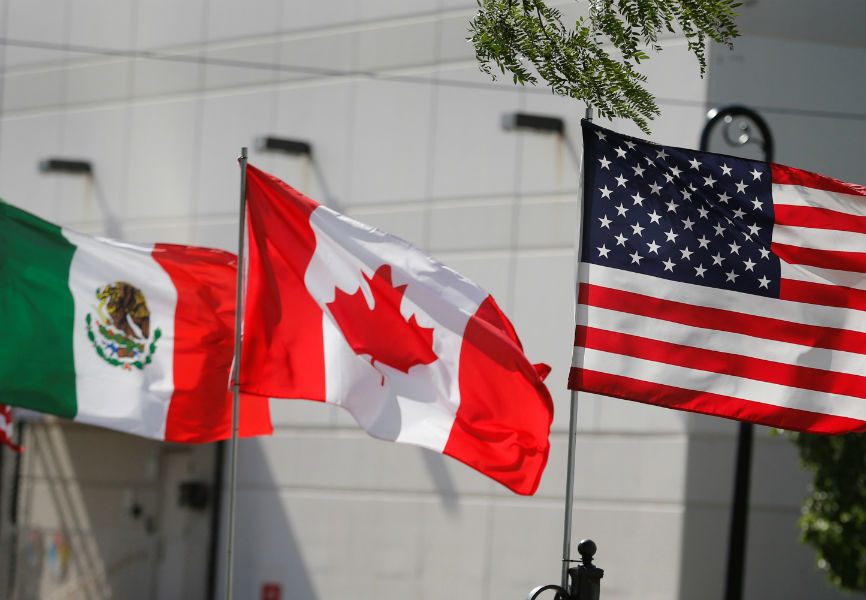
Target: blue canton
<point>687,216</point>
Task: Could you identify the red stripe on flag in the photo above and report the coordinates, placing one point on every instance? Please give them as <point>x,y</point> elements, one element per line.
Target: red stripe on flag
<point>824,259</point>
<point>204,325</point>
<point>722,320</point>
<point>791,176</point>
<point>714,361</point>
<point>824,295</point>
<point>710,404</point>
<point>282,322</point>
<point>818,218</point>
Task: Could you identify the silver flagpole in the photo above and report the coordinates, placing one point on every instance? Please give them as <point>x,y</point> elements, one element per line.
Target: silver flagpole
<point>572,431</point>
<point>236,369</point>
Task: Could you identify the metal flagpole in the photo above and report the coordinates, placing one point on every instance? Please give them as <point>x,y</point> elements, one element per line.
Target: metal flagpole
<point>236,368</point>
<point>572,435</point>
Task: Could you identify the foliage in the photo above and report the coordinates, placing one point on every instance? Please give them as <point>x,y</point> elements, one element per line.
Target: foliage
<point>834,514</point>
<point>529,39</point>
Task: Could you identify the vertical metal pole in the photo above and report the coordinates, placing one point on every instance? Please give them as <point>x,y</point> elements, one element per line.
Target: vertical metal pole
<point>569,491</point>
<point>572,435</point>
<point>236,368</point>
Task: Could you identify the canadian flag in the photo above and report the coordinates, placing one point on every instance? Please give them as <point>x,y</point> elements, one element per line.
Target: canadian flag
<point>340,312</point>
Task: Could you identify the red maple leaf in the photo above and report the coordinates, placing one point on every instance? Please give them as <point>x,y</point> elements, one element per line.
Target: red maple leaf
<point>381,331</point>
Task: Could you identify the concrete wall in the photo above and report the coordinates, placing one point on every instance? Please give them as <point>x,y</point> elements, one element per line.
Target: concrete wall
<point>406,136</point>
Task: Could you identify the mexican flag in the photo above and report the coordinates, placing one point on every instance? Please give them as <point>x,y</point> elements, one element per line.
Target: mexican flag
<point>340,312</point>
<point>137,338</point>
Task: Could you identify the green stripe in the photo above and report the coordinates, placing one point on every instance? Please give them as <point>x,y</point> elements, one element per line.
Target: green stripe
<point>36,360</point>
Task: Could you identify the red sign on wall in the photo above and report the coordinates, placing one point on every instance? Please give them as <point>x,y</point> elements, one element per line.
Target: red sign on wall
<point>272,591</point>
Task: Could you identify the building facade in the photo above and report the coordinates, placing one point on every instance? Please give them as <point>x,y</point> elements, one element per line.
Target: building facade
<point>406,135</point>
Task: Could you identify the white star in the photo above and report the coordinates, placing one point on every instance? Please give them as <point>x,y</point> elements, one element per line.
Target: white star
<point>756,174</point>
<point>717,259</point>
<point>704,212</point>
<point>687,194</point>
<point>741,187</point>
<point>620,181</point>
<point>754,229</point>
<point>739,213</point>
<point>637,229</point>
<point>765,283</point>
<point>709,181</point>
<point>672,237</point>
<point>732,277</point>
<point>750,266</point>
<point>600,135</point>
<point>621,240</point>
<point>668,177</point>
<point>662,154</point>
<point>620,152</point>
<point>635,258</point>
<point>726,170</point>
<point>687,254</point>
<point>605,193</point>
<point>630,145</point>
<point>723,197</point>
<point>621,209</point>
<point>735,249</point>
<point>654,218</point>
<point>703,241</point>
<point>605,164</point>
<point>695,164</point>
<point>653,247</point>
<point>655,188</point>
<point>719,229</point>
<point>638,199</point>
<point>672,206</point>
<point>605,222</point>
<point>687,223</point>
<point>700,270</point>
<point>764,252</point>
<point>603,251</point>
<point>675,171</point>
<point>757,203</point>
<point>638,170</point>
<point>669,265</point>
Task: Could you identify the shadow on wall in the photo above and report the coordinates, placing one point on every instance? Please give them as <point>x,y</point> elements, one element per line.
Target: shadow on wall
<point>266,551</point>
<point>777,565</point>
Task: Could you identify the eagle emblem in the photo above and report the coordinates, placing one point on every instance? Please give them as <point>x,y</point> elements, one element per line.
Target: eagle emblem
<point>120,331</point>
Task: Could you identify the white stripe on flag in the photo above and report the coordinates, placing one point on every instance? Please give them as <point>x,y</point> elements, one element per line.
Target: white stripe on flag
<point>796,195</point>
<point>794,312</point>
<point>819,239</point>
<point>717,383</point>
<point>825,276</point>
<point>721,341</point>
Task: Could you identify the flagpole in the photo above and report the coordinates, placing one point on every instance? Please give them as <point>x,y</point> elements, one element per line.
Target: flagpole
<point>236,368</point>
<point>572,439</point>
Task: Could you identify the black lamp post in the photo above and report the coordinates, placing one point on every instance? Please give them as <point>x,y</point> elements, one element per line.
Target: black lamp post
<point>738,124</point>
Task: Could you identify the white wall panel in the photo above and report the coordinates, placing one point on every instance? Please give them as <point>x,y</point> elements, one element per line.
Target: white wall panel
<point>475,156</point>
<point>228,19</point>
<point>390,141</point>
<point>162,159</point>
<point>101,24</point>
<point>162,23</point>
<point>23,143</point>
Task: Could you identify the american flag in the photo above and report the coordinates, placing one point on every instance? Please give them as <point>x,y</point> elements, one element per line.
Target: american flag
<point>6,427</point>
<point>721,285</point>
